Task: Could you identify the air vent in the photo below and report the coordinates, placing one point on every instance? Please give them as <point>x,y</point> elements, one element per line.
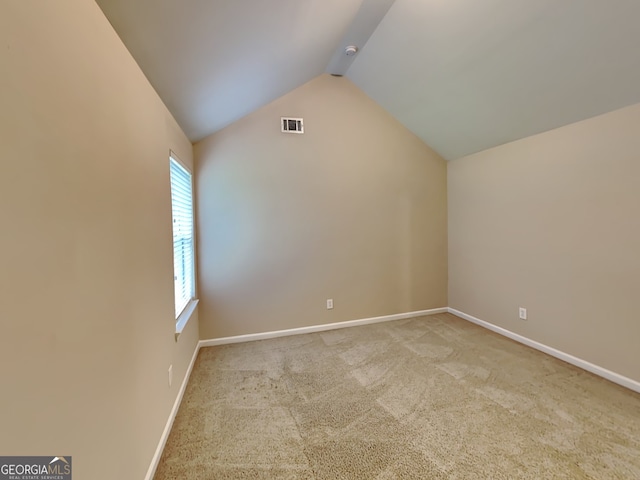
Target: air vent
<point>291,125</point>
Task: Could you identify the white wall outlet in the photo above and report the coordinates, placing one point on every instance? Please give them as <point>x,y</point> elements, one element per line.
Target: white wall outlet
<point>523,313</point>
<point>170,374</point>
<point>329,303</point>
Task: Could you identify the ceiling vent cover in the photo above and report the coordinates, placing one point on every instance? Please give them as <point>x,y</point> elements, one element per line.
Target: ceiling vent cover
<point>291,125</point>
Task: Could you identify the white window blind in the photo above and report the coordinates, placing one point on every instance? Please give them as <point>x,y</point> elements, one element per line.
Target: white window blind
<point>183,255</point>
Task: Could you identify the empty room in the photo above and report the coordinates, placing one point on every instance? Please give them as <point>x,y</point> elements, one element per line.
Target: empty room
<point>320,239</point>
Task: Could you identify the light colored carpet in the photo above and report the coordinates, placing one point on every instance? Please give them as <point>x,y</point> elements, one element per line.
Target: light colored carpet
<point>426,398</point>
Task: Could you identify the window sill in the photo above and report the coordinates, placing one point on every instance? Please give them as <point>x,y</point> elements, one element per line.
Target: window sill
<point>185,316</point>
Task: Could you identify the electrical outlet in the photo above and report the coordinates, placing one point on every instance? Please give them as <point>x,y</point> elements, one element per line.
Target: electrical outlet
<point>170,375</point>
<point>523,313</point>
<point>329,303</point>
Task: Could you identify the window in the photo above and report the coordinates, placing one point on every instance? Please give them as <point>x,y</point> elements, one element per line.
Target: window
<point>183,246</point>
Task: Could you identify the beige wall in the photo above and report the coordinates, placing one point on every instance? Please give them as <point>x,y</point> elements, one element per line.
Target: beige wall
<point>552,223</point>
<point>86,289</point>
<point>354,210</point>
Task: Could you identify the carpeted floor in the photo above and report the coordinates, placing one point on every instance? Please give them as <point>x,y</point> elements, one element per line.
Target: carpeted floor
<point>426,398</point>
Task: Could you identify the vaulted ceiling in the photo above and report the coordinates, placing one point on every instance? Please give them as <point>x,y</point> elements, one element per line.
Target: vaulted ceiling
<point>463,75</point>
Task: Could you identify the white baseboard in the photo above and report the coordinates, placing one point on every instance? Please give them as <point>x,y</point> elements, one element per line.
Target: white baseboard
<point>318,328</point>
<point>172,416</point>
<point>261,336</point>
<point>578,362</point>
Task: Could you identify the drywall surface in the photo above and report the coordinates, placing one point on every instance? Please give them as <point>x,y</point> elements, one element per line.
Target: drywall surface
<point>86,279</point>
<point>550,223</point>
<point>353,210</point>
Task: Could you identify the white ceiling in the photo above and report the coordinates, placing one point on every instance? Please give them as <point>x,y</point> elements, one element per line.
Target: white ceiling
<point>464,75</point>
<point>214,61</point>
